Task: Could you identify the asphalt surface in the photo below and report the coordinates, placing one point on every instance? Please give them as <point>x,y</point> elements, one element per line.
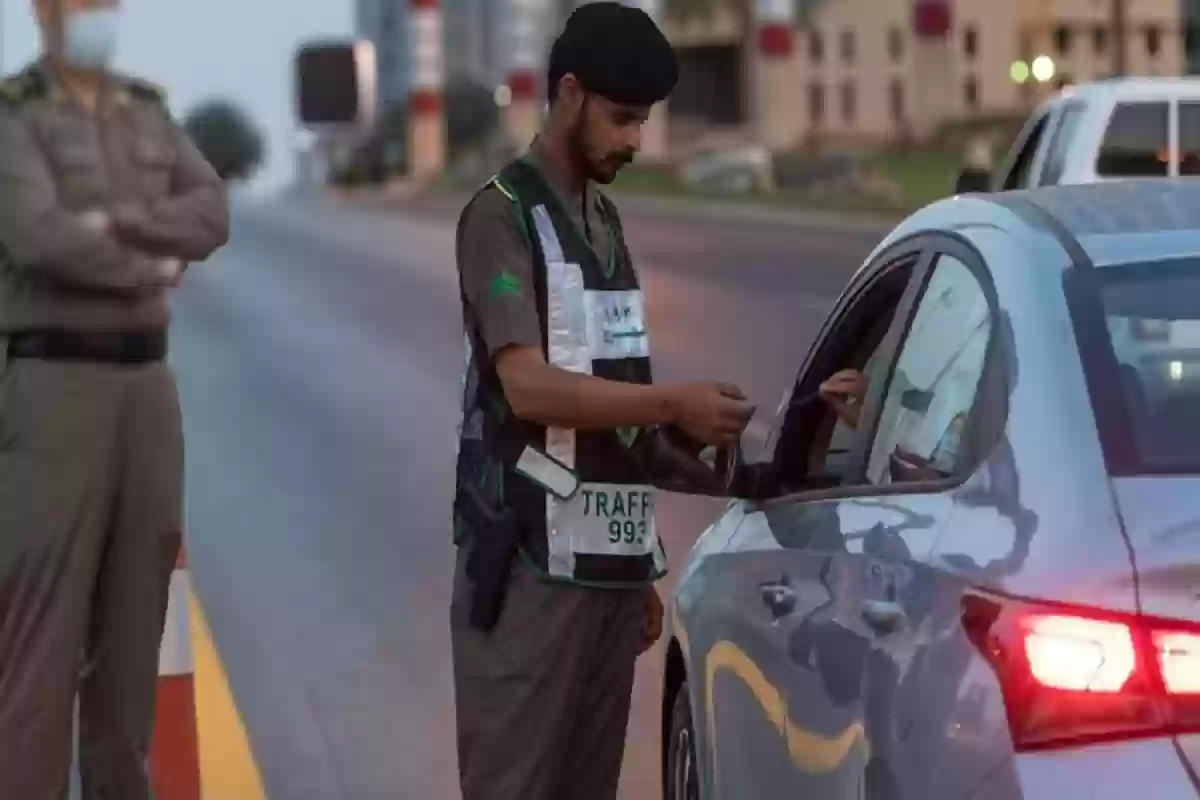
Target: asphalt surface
<point>319,357</point>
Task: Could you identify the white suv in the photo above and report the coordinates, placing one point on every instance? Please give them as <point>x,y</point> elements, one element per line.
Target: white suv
<point>1108,130</point>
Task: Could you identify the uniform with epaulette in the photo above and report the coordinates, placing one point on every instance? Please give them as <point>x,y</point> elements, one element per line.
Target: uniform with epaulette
<point>101,208</point>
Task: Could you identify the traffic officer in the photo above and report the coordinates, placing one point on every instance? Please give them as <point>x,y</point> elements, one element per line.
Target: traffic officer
<point>103,201</point>
<point>558,552</point>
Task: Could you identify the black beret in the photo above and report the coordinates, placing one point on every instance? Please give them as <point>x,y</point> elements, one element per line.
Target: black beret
<point>617,52</point>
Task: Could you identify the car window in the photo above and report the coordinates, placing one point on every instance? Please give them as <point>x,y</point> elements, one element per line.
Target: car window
<point>936,380</point>
<point>1135,143</point>
<point>1020,173</point>
<point>1060,144</point>
<point>1189,138</point>
<point>811,442</point>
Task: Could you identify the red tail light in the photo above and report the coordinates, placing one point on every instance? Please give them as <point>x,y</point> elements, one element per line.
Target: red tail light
<point>1073,676</point>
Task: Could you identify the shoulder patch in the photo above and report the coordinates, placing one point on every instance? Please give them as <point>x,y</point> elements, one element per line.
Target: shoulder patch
<point>146,91</point>
<point>23,87</point>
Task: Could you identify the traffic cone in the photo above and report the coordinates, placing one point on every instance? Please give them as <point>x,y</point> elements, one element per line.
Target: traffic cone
<point>175,752</point>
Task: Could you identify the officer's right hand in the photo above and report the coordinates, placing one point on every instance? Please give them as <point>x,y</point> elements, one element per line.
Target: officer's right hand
<point>714,413</point>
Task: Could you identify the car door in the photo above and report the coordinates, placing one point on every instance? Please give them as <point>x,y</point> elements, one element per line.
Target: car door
<point>931,424</point>
<point>767,577</point>
<point>837,557</point>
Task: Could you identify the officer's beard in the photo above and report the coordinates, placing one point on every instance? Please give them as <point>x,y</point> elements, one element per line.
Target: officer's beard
<point>599,169</point>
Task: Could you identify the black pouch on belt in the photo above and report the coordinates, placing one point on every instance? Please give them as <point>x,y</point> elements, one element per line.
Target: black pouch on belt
<point>495,541</point>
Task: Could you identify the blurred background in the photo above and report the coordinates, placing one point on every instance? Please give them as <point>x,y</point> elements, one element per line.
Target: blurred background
<point>319,353</point>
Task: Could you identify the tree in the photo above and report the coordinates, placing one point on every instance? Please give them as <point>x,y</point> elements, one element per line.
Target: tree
<point>227,137</point>
<point>471,115</point>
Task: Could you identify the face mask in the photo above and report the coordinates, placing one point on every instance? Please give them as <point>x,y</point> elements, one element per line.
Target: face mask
<point>90,37</point>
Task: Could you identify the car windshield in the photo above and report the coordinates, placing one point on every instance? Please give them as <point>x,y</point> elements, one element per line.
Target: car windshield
<point>1150,359</point>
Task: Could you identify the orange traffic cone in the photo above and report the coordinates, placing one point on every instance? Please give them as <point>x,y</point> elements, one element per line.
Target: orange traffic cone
<point>175,752</point>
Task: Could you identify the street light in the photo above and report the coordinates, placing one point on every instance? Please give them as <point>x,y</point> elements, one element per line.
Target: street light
<point>1019,72</point>
<point>1043,69</point>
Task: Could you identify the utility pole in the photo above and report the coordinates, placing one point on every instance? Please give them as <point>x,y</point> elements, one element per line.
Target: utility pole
<point>1119,24</point>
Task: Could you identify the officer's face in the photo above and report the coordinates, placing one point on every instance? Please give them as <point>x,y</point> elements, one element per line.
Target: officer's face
<point>606,136</point>
<point>50,15</point>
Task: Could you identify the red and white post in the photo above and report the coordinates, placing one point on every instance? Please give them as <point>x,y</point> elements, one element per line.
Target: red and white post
<point>426,107</point>
<point>655,144</point>
<point>175,752</point>
<point>778,112</point>
<point>523,112</point>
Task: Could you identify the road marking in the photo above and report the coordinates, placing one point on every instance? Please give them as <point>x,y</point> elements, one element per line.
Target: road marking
<point>227,767</point>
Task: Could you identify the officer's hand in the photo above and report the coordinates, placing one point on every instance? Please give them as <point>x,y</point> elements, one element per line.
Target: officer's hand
<point>714,413</point>
<point>653,625</point>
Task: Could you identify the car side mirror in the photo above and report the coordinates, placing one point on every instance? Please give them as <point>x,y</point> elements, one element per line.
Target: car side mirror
<point>973,179</point>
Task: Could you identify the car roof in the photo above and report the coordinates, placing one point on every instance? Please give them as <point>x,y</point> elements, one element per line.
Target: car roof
<point>1128,88</point>
<point>1098,224</point>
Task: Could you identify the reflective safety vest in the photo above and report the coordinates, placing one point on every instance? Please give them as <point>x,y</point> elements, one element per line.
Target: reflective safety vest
<point>593,316</point>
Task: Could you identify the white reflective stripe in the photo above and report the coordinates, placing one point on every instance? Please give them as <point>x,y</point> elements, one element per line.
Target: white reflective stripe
<point>428,64</point>
<point>175,652</point>
<point>610,520</point>
<point>547,235</point>
<point>775,10</point>
<point>566,317</point>
<point>566,331</point>
<point>616,323</point>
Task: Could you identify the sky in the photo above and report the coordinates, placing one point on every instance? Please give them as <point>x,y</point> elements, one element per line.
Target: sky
<point>241,50</point>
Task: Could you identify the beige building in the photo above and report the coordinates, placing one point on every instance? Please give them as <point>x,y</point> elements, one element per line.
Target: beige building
<point>857,73</point>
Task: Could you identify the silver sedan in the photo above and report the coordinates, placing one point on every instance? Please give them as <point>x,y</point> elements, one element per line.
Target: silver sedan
<point>979,575</point>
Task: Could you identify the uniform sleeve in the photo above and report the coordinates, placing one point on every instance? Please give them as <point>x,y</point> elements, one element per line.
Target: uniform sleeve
<point>193,222</point>
<point>39,236</point>
<point>496,265</point>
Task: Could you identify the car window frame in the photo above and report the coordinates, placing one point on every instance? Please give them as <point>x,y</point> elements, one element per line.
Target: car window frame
<point>1037,122</point>
<point>965,253</point>
<point>913,250</point>
<point>1080,109</point>
<point>932,244</point>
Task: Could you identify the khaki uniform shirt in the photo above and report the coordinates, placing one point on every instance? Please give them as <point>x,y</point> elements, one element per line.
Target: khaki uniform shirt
<point>497,265</point>
<point>63,167</point>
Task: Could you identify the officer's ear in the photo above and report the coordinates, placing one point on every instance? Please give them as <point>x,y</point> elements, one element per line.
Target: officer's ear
<point>571,93</point>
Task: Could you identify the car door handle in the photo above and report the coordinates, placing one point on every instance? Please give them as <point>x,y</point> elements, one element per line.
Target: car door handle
<point>884,616</point>
<point>779,597</point>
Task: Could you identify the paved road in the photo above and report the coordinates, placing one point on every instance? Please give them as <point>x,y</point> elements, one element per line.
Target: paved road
<point>319,358</point>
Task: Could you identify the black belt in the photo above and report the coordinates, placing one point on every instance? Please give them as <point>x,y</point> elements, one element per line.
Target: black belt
<point>142,347</point>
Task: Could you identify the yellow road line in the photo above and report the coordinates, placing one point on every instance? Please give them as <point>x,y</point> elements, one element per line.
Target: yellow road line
<point>227,767</point>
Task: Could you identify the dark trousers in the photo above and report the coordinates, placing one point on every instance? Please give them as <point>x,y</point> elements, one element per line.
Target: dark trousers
<point>543,699</point>
<point>91,482</point>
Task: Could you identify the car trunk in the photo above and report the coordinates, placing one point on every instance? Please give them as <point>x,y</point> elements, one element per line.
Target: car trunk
<point>1162,517</point>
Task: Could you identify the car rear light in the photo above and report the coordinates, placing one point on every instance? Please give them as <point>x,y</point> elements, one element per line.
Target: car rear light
<point>1075,676</point>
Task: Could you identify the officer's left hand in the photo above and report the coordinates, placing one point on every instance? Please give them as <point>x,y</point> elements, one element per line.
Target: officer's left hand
<point>653,625</point>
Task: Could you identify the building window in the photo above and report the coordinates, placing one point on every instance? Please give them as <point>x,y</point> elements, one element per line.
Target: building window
<point>816,103</point>
<point>971,93</point>
<point>1100,39</point>
<point>1062,40</point>
<point>896,44</point>
<point>848,46</point>
<point>816,47</point>
<point>896,95</point>
<point>971,42</point>
<point>1153,40</point>
<point>849,102</point>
